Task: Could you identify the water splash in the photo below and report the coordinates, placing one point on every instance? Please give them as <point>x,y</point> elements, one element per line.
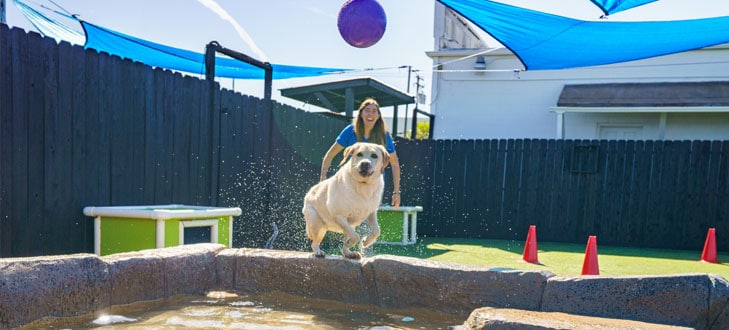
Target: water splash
<point>112,319</point>
<point>224,15</point>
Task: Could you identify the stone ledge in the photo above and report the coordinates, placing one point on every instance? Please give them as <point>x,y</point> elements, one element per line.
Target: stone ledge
<point>672,299</point>
<point>517,319</point>
<point>72,285</point>
<point>60,286</point>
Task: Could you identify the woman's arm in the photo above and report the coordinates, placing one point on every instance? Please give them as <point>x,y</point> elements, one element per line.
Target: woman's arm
<point>395,164</point>
<point>327,161</point>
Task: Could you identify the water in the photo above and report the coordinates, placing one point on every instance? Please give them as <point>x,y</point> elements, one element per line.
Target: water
<point>220,310</point>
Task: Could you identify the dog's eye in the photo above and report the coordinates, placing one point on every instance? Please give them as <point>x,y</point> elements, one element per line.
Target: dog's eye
<point>359,154</point>
<point>373,155</point>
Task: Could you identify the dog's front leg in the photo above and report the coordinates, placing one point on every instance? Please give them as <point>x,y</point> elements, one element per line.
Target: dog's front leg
<point>374,230</point>
<point>350,238</point>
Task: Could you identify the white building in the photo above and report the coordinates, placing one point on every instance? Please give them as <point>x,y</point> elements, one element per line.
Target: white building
<point>481,93</point>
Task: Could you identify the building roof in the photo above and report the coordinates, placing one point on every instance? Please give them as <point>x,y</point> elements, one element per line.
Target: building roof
<point>345,95</point>
<point>660,94</point>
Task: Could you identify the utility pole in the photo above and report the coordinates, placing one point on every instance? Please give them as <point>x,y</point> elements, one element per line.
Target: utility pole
<point>416,111</point>
<point>2,12</point>
<point>405,127</point>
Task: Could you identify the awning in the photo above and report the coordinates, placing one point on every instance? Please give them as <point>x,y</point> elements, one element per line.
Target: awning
<point>658,94</point>
<point>659,97</point>
<point>345,95</point>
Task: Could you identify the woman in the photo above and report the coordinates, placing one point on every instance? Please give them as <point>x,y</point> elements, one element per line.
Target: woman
<point>368,126</point>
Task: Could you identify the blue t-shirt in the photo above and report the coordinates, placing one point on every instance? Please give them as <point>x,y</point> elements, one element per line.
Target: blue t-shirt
<point>347,138</point>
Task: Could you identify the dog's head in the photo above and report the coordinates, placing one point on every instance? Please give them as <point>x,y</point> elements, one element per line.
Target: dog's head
<point>366,159</point>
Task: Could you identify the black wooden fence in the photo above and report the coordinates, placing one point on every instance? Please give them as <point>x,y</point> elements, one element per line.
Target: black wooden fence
<point>78,128</point>
<point>632,193</point>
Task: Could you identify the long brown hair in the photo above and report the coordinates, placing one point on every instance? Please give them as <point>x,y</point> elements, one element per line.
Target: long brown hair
<point>378,134</point>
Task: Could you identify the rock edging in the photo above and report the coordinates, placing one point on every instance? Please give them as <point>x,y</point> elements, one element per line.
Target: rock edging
<point>73,285</point>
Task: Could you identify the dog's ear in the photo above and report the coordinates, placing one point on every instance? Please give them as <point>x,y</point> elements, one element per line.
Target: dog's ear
<point>385,158</point>
<point>347,153</point>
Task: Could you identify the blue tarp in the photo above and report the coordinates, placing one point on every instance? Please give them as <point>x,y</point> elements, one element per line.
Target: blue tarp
<point>613,6</point>
<point>158,55</point>
<point>544,41</point>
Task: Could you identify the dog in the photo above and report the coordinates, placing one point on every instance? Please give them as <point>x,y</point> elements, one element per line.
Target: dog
<point>342,202</point>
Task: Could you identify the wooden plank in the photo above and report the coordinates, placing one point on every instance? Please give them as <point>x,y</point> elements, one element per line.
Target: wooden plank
<point>612,181</point>
<point>531,204</point>
<point>632,230</point>
<point>674,191</point>
<point>441,201</point>
<point>722,194</point>
<point>113,102</point>
<point>35,227</point>
<point>57,150</point>
<point>98,130</point>
<point>134,107</point>
<point>7,78</point>
<point>512,174</point>
<point>588,186</point>
<point>472,213</point>
<point>75,65</point>
<point>22,92</point>
<point>165,114</point>
<point>697,222</point>
<point>181,141</point>
<point>656,199</point>
<point>475,190</point>
<point>601,177</point>
<point>548,192</point>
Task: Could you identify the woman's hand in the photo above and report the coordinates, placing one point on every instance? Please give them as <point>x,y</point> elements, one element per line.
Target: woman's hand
<point>396,199</point>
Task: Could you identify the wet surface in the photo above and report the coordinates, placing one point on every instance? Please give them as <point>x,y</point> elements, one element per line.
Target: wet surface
<point>222,310</point>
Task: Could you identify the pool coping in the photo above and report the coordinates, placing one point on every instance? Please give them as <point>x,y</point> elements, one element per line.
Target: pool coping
<point>78,284</point>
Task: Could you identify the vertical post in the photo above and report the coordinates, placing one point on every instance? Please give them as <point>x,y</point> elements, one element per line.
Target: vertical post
<point>662,126</point>
<point>560,124</point>
<point>405,125</point>
<point>159,235</point>
<point>214,129</point>
<point>394,120</point>
<point>415,122</point>
<point>349,103</point>
<point>2,12</point>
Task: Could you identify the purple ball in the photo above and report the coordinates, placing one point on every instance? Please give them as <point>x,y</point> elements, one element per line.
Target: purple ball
<point>361,22</point>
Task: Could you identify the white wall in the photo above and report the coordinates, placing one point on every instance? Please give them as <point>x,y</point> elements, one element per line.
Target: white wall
<point>502,103</point>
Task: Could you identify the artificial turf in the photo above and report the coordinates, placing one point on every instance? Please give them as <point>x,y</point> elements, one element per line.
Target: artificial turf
<point>559,258</point>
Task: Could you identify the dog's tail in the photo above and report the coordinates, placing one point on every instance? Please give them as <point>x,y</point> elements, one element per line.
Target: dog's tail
<point>269,243</point>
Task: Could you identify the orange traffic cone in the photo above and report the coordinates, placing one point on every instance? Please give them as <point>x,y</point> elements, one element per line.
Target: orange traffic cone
<point>590,266</point>
<point>709,254</point>
<point>530,247</point>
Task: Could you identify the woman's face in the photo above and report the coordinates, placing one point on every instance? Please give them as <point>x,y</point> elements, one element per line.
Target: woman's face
<point>370,114</point>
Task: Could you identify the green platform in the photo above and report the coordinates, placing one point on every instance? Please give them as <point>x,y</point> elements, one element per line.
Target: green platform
<point>133,228</point>
<point>398,226</point>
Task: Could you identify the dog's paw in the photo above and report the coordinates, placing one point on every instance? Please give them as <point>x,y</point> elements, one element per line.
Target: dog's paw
<point>353,255</point>
<point>319,254</point>
<point>351,241</point>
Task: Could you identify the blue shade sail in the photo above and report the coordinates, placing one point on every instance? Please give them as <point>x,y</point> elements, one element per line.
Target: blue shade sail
<point>613,6</point>
<point>49,27</point>
<point>158,55</point>
<point>545,42</point>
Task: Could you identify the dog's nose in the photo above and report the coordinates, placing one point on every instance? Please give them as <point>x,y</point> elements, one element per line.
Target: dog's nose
<point>365,168</point>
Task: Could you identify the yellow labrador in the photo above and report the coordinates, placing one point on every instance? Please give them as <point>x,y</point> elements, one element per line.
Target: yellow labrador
<point>343,201</point>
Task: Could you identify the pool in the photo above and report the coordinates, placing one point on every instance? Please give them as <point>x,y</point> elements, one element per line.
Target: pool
<point>273,310</point>
<point>82,285</point>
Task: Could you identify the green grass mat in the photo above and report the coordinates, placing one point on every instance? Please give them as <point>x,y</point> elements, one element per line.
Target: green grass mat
<point>559,258</point>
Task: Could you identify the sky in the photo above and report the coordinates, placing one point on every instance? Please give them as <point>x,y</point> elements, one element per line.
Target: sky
<point>291,32</point>
<point>305,33</point>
